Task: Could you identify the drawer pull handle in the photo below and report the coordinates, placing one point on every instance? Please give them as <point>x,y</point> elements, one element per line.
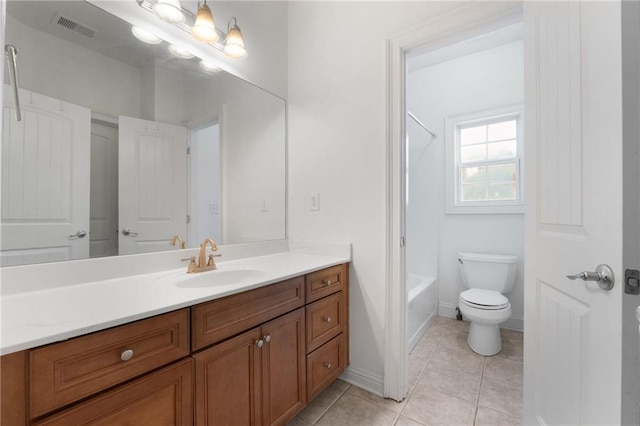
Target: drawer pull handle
<point>267,338</point>
<point>260,343</point>
<point>328,365</point>
<point>126,355</point>
<point>326,283</point>
<point>327,320</point>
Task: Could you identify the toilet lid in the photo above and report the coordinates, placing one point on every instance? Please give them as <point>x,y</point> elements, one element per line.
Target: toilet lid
<point>487,299</point>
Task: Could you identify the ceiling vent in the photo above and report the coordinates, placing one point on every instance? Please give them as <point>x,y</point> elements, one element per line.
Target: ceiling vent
<point>72,25</point>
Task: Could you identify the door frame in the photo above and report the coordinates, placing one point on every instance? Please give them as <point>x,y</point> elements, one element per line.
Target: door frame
<point>208,117</point>
<point>456,25</point>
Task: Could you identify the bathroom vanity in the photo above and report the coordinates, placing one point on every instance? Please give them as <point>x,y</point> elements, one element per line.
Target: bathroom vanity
<point>253,354</point>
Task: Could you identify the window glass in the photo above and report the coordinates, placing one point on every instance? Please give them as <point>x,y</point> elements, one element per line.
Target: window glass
<point>502,130</point>
<point>498,150</point>
<point>487,161</point>
<point>470,135</point>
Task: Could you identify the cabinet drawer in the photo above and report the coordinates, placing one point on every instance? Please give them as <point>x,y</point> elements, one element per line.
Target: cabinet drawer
<point>324,365</point>
<point>219,319</point>
<point>65,372</point>
<point>160,398</point>
<point>325,320</point>
<point>325,282</point>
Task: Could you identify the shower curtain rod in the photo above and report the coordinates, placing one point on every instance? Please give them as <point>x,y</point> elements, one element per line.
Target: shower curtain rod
<point>421,124</point>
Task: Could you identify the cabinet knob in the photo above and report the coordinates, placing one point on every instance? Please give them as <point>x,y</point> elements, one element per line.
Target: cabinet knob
<point>325,283</point>
<point>327,320</point>
<point>126,355</point>
<point>267,338</point>
<point>328,365</point>
<point>260,343</point>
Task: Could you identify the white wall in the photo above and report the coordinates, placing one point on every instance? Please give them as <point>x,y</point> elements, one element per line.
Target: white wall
<point>74,79</point>
<point>253,156</point>
<point>423,199</point>
<point>485,80</point>
<point>338,147</point>
<point>264,30</point>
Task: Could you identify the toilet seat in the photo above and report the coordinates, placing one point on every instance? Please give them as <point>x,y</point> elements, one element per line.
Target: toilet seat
<point>484,299</point>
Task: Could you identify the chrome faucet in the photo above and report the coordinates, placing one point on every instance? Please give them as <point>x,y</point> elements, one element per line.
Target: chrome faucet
<point>203,265</point>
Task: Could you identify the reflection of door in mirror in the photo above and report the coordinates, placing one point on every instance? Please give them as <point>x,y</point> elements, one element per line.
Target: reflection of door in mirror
<point>104,189</point>
<point>152,178</point>
<point>45,181</point>
<point>204,173</point>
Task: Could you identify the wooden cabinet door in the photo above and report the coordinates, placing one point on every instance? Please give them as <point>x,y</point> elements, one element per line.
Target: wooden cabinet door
<point>228,382</point>
<point>163,398</point>
<point>283,368</point>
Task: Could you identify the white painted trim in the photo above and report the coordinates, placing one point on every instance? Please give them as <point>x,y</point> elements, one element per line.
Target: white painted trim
<point>413,340</point>
<point>466,21</point>
<point>364,380</point>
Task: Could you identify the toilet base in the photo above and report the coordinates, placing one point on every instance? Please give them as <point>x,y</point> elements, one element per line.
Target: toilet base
<point>484,339</point>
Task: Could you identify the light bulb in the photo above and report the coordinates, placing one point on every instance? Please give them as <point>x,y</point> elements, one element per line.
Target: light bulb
<point>169,11</point>
<point>234,45</point>
<point>204,29</point>
<point>145,36</point>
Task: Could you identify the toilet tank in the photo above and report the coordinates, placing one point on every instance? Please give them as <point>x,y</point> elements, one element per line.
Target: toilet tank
<point>488,271</point>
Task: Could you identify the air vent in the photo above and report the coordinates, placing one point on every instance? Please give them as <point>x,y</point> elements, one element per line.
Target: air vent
<point>72,25</point>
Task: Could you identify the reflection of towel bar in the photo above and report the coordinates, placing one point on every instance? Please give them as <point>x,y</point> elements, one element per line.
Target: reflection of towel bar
<point>421,124</point>
<point>11,52</point>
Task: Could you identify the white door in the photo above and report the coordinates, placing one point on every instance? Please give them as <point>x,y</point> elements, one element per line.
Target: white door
<point>45,180</point>
<point>152,182</point>
<point>104,190</point>
<point>574,212</point>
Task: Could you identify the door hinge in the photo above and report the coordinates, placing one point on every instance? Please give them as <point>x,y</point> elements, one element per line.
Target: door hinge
<point>632,281</point>
<point>188,150</point>
<point>188,218</point>
<point>402,241</point>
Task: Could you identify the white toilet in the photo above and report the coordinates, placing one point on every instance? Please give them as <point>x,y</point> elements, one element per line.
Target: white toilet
<point>488,278</point>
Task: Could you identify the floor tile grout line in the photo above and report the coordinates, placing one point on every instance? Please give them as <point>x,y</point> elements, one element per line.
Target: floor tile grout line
<point>332,404</point>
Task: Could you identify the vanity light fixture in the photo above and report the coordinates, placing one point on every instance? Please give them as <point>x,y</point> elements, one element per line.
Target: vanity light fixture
<point>145,36</point>
<point>169,11</point>
<point>234,44</point>
<point>204,29</point>
<point>209,66</point>
<point>180,52</point>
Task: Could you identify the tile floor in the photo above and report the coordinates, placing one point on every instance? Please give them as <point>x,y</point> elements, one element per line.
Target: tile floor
<point>449,385</point>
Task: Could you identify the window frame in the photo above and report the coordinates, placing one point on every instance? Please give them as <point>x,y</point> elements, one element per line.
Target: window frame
<point>453,125</point>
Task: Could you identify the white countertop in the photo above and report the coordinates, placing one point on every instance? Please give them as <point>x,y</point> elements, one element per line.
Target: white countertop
<point>35,318</point>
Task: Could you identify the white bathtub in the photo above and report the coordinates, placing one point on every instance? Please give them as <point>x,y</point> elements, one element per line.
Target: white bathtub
<point>422,305</point>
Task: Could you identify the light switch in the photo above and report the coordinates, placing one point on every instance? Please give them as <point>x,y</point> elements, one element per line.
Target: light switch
<point>314,202</point>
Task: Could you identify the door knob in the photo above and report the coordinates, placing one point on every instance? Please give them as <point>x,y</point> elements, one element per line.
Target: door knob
<point>128,233</point>
<point>79,234</point>
<point>603,275</point>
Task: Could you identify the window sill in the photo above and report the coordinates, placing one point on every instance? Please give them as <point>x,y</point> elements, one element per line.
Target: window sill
<point>486,209</point>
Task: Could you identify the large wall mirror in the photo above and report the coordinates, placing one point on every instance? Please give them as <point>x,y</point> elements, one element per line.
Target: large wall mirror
<point>123,145</point>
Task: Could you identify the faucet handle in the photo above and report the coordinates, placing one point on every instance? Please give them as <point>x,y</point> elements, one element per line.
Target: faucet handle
<point>189,259</point>
<point>210,261</point>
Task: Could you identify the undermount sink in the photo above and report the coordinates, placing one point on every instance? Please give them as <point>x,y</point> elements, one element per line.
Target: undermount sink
<point>219,277</point>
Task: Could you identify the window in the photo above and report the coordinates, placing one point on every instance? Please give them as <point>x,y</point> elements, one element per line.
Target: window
<point>484,162</point>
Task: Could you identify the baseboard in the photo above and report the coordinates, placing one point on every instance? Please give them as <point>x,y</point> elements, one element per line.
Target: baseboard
<point>514,323</point>
<point>364,380</point>
<point>413,341</point>
<point>447,310</point>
